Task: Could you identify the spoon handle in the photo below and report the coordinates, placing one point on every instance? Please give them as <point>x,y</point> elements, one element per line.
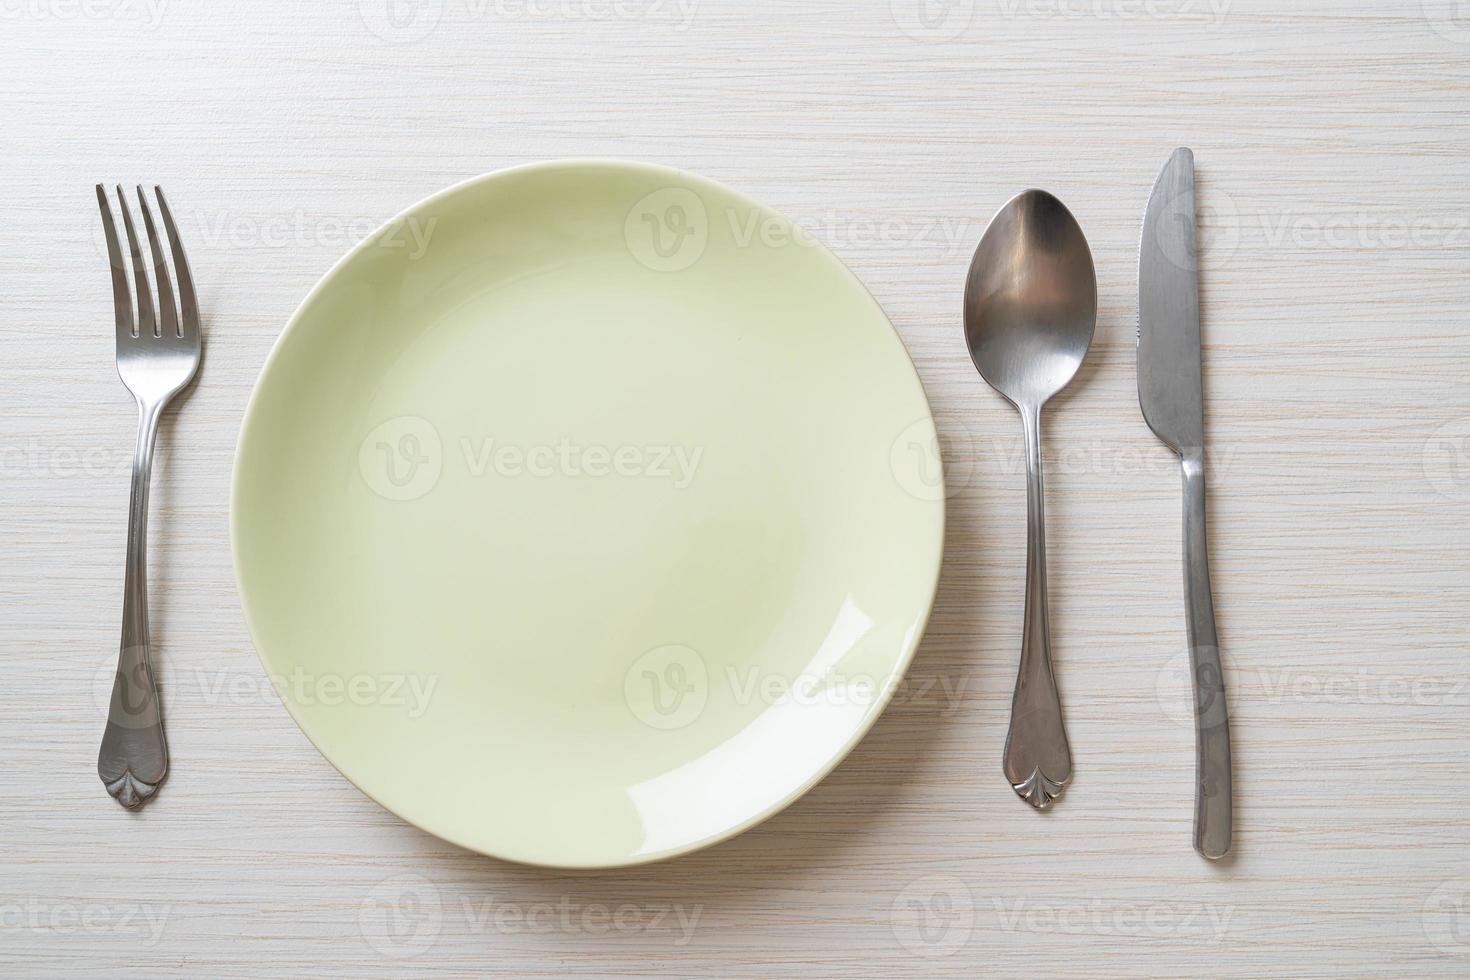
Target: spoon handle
<point>1212,777</point>
<point>1038,761</point>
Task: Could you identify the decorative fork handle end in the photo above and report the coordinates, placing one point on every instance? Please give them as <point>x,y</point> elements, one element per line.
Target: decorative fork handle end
<point>133,760</point>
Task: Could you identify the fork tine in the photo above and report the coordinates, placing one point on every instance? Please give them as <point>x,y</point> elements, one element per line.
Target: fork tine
<point>168,321</point>
<point>147,326</point>
<point>188,305</point>
<point>122,301</point>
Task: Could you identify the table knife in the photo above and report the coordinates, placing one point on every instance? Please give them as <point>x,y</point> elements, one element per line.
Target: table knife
<point>1170,391</point>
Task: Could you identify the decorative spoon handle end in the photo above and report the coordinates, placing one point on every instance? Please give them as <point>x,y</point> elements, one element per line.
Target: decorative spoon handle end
<point>1038,789</point>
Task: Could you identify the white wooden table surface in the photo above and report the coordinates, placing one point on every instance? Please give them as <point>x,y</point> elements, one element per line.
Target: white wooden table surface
<point>1334,157</point>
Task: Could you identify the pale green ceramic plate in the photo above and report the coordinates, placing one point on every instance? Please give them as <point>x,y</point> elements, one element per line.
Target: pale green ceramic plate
<point>588,514</point>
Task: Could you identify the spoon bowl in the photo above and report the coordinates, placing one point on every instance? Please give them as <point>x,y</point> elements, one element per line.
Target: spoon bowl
<point>1031,299</point>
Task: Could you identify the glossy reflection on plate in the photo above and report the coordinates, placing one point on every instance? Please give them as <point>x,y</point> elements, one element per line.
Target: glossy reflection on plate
<point>587,514</point>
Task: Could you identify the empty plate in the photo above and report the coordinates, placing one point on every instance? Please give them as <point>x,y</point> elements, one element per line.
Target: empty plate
<point>587,514</point>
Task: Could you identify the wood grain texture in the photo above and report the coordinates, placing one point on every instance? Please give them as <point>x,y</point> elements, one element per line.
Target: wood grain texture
<point>1334,160</point>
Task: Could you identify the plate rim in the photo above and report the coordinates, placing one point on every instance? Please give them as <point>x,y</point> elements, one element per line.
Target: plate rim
<point>901,664</point>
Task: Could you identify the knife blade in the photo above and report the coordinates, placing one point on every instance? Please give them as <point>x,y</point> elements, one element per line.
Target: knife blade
<point>1170,387</point>
<point>1171,394</point>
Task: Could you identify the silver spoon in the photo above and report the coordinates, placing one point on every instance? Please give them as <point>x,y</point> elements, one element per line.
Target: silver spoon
<point>1030,308</point>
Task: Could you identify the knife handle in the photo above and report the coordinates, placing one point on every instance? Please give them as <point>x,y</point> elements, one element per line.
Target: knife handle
<point>1212,781</point>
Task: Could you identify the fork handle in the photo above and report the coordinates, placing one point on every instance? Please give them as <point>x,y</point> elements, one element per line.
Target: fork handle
<point>134,756</point>
<point>1212,779</point>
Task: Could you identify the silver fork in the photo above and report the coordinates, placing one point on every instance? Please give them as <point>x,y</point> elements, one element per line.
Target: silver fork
<point>156,359</point>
